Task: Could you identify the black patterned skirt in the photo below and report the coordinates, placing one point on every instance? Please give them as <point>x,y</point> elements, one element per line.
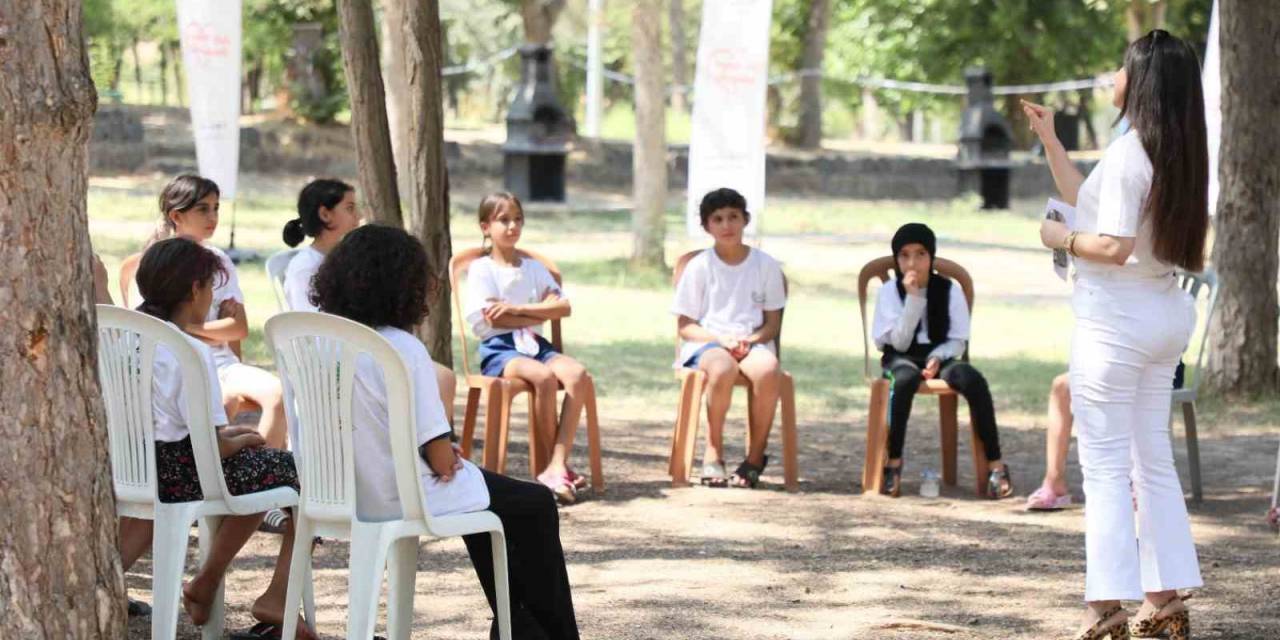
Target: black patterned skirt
<point>250,470</point>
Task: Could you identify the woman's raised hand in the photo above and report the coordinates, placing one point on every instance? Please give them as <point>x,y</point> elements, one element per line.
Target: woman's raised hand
<point>1041,119</point>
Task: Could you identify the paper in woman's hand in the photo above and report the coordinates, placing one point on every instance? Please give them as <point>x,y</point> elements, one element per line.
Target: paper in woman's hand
<point>1066,214</point>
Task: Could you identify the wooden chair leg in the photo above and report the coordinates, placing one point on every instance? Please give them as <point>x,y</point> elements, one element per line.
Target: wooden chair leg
<point>1193,449</point>
<point>877,430</point>
<point>690,439</point>
<point>948,405</point>
<point>678,429</point>
<point>593,438</point>
<point>979,459</point>
<point>537,459</point>
<point>504,424</point>
<point>790,464</point>
<point>751,423</point>
<point>469,420</point>
<point>493,425</point>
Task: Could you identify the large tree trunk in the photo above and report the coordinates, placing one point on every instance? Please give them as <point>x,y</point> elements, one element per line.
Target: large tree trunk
<point>539,19</point>
<point>1242,351</point>
<point>679,56</point>
<point>809,132</point>
<point>368,111</point>
<point>429,195</point>
<point>61,567</point>
<point>649,160</point>
<point>394,79</point>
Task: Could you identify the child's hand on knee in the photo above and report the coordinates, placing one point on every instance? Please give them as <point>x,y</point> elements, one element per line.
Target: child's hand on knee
<point>931,367</point>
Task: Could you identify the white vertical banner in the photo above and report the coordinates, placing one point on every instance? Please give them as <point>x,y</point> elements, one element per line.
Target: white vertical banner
<point>210,34</point>
<point>1212,80</point>
<point>726,148</point>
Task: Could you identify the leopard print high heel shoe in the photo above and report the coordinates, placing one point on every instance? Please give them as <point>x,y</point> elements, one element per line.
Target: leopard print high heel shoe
<point>1113,625</point>
<point>1172,621</point>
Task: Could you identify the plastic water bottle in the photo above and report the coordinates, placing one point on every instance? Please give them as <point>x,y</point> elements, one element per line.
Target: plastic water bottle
<point>929,483</point>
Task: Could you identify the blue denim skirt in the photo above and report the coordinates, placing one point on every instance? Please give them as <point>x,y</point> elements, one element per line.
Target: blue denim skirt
<point>495,352</point>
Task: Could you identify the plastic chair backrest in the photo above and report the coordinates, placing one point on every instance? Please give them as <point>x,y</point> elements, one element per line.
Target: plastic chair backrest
<point>316,357</point>
<point>678,270</point>
<point>1194,284</point>
<point>881,268</point>
<point>277,265</point>
<point>460,262</point>
<point>127,342</point>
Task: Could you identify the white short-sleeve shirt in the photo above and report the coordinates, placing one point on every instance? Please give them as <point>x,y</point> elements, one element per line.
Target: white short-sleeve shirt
<point>728,299</point>
<point>225,288</point>
<point>1111,202</point>
<point>889,307</point>
<point>377,496</point>
<point>168,392</point>
<point>488,282</point>
<point>297,279</point>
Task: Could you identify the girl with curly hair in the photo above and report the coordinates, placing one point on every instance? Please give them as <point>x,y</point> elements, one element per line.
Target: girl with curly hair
<point>378,276</point>
<point>509,297</point>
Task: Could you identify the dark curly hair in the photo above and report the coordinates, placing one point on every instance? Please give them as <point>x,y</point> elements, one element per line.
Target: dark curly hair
<point>722,198</point>
<point>168,270</point>
<point>376,276</point>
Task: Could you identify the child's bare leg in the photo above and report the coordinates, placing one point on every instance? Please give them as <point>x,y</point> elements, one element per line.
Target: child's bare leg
<point>575,379</point>
<point>263,388</point>
<point>761,368</point>
<point>135,540</point>
<point>1058,438</point>
<point>233,532</point>
<point>448,388</point>
<point>543,380</point>
<point>269,607</point>
<point>722,371</point>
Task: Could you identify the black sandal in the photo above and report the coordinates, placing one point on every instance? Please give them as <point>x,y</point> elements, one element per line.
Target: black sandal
<point>999,483</point>
<point>748,472</point>
<point>891,484</point>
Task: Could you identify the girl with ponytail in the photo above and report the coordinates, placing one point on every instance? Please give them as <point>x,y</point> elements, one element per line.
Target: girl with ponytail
<point>326,212</point>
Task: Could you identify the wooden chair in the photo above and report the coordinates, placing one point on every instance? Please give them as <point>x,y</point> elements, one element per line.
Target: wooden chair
<point>948,399</point>
<point>684,436</point>
<point>500,392</point>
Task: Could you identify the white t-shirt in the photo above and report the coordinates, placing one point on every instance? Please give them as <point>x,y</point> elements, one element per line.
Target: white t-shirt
<point>297,279</point>
<point>227,288</point>
<point>728,299</point>
<point>377,496</point>
<point>528,283</point>
<point>892,310</point>
<point>168,395</point>
<point>1111,202</point>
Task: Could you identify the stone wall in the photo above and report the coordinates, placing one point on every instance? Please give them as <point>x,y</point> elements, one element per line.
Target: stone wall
<point>131,139</point>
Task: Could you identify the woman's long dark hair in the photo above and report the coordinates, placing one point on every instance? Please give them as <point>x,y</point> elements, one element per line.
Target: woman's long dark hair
<point>1164,102</point>
<point>325,193</point>
<point>169,269</point>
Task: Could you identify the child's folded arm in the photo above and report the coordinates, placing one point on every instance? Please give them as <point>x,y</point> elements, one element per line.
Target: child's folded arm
<point>896,330</point>
<point>948,350</point>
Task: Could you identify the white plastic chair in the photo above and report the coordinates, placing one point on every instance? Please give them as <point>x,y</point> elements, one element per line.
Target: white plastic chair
<point>1195,284</point>
<point>316,356</point>
<point>277,265</point>
<point>127,342</point>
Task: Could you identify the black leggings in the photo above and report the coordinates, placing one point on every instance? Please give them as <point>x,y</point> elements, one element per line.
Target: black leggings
<point>905,377</point>
<point>541,604</point>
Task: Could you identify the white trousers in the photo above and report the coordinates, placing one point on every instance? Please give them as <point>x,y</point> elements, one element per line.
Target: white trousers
<point>1128,337</point>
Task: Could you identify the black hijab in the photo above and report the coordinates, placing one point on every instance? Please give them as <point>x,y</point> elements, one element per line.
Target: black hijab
<point>938,293</point>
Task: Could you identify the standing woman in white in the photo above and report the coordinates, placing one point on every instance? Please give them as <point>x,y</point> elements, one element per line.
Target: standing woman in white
<point>1141,212</point>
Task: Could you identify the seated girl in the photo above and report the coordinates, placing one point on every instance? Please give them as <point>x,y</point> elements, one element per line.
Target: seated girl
<point>922,325</point>
<point>178,278</point>
<point>378,277</point>
<point>327,212</point>
<point>729,304</point>
<point>189,209</point>
<point>509,297</point>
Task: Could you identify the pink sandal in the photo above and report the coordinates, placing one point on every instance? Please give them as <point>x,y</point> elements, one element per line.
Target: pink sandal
<point>560,486</point>
<point>1044,499</point>
<point>578,481</point>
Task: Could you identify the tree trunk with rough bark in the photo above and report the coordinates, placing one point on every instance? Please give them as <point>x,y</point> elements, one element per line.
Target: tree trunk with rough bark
<point>1242,348</point>
<point>429,195</point>
<point>393,79</point>
<point>809,131</point>
<point>378,189</point>
<point>649,160</point>
<point>60,574</point>
<point>679,56</point>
